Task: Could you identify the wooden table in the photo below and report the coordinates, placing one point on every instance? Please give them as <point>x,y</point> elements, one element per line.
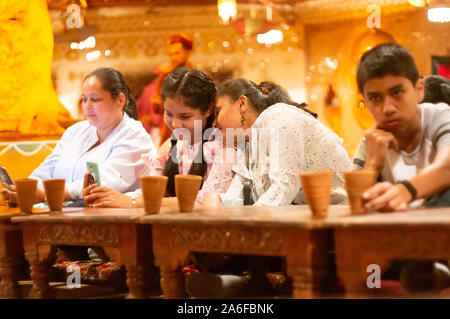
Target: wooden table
<point>11,249</point>
<point>125,242</point>
<point>270,231</point>
<point>379,238</point>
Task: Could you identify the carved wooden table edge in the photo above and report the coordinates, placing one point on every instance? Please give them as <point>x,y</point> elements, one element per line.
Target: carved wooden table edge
<point>125,240</point>
<point>306,245</point>
<point>91,215</point>
<point>367,244</point>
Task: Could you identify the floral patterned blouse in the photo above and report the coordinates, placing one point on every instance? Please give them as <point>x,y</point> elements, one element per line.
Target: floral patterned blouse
<point>219,161</point>
<point>286,141</point>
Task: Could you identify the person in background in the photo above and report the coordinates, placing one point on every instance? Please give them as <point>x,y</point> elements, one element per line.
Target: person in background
<point>410,145</point>
<point>437,89</point>
<point>111,137</point>
<point>150,105</point>
<point>276,140</point>
<point>409,148</point>
<point>189,96</point>
<point>290,139</point>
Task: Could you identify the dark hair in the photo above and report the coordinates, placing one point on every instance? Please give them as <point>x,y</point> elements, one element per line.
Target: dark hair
<point>386,59</point>
<point>113,82</point>
<point>260,96</point>
<point>197,91</point>
<point>182,38</point>
<point>437,89</point>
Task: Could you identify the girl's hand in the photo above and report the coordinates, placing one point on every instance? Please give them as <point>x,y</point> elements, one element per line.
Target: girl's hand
<point>212,200</point>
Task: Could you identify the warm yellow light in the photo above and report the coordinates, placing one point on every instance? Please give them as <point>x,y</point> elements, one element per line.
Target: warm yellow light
<point>88,43</point>
<point>92,56</point>
<point>227,9</point>
<point>439,13</point>
<point>417,3</point>
<point>270,37</point>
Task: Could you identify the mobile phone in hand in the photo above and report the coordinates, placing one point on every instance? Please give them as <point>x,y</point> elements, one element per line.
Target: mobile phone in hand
<point>93,167</point>
<point>91,179</point>
<point>5,178</point>
<point>6,181</point>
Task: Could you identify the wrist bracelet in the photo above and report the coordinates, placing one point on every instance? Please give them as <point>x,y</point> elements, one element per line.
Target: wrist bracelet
<point>411,189</point>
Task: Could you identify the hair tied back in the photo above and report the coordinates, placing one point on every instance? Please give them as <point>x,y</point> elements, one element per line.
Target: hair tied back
<point>263,89</point>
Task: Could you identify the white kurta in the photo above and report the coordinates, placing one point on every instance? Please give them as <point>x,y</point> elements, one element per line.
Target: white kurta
<point>118,157</point>
<point>286,141</point>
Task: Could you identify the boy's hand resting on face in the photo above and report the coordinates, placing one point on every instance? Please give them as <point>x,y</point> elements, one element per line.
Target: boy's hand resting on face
<point>387,197</point>
<point>378,142</point>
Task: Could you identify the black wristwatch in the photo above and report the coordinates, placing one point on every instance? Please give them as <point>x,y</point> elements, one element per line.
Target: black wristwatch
<point>411,189</point>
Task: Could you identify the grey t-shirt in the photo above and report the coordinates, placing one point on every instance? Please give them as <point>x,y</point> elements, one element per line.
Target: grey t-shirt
<point>401,165</point>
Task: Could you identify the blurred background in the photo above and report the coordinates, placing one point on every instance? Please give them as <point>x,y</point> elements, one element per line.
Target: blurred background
<point>310,47</point>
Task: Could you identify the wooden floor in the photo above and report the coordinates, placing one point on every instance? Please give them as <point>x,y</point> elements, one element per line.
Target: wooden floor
<point>105,292</point>
<point>85,291</point>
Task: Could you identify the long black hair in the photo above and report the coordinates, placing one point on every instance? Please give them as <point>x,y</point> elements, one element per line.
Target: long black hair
<point>437,89</point>
<point>113,82</point>
<point>260,96</point>
<point>197,91</point>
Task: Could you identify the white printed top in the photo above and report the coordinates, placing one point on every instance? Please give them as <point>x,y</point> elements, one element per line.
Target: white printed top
<point>286,141</point>
<point>118,157</point>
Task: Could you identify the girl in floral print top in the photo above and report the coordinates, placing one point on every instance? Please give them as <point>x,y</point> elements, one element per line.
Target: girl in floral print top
<point>189,100</point>
<point>279,139</point>
<point>219,161</point>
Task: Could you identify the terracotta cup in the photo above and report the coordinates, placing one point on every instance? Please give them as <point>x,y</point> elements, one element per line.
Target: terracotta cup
<point>26,193</point>
<point>356,183</point>
<point>186,189</point>
<point>54,193</point>
<point>153,190</point>
<point>317,189</point>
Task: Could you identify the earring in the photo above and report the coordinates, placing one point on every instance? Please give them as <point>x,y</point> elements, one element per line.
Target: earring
<point>242,119</point>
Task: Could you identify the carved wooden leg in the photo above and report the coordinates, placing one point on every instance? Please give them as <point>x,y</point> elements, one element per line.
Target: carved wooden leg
<point>9,287</point>
<point>172,282</point>
<point>137,255</point>
<point>137,281</point>
<point>360,276</point>
<point>169,260</point>
<point>40,258</point>
<point>308,282</point>
<point>10,249</point>
<point>302,282</point>
<point>350,267</point>
<point>308,262</point>
<point>354,279</point>
<point>357,266</point>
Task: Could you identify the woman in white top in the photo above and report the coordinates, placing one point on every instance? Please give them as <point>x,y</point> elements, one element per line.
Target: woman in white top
<point>111,137</point>
<point>283,139</point>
